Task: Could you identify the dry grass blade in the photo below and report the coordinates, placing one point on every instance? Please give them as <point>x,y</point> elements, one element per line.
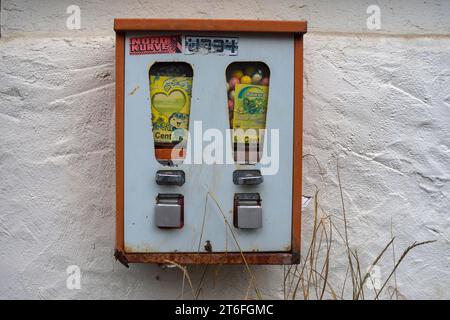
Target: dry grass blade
<point>289,278</point>
<point>345,281</point>
<point>308,278</point>
<point>252,276</point>
<point>313,246</point>
<point>182,286</point>
<point>185,275</point>
<point>327,284</point>
<point>247,294</point>
<point>359,275</point>
<point>285,279</point>
<point>395,291</point>
<point>349,255</point>
<point>308,254</point>
<point>414,245</point>
<point>369,271</point>
<point>321,173</point>
<point>326,267</point>
<point>199,287</point>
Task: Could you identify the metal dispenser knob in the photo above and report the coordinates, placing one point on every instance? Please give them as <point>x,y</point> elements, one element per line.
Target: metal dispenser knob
<point>247,177</point>
<point>170,177</point>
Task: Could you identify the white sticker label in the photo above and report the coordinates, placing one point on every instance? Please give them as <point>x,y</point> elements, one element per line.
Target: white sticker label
<point>211,45</point>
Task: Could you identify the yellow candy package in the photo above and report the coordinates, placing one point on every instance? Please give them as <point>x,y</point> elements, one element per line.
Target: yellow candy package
<point>170,104</point>
<point>250,108</point>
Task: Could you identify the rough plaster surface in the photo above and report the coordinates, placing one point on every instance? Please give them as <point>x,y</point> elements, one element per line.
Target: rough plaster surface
<point>381,104</point>
<point>397,16</point>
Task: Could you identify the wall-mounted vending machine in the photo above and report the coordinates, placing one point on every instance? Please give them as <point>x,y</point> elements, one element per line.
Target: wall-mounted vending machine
<point>208,141</point>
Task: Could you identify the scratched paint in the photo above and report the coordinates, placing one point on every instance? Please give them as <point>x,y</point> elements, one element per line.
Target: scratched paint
<point>133,91</point>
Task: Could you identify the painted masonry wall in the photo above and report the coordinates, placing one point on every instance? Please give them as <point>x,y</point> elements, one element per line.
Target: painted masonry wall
<point>379,100</point>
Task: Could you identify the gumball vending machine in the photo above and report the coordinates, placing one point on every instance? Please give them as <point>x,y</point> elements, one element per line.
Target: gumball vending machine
<point>208,141</point>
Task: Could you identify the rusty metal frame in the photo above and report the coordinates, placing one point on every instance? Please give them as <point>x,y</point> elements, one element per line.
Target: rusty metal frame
<point>297,28</point>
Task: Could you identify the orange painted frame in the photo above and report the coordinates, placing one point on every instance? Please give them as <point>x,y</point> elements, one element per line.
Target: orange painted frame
<point>297,28</point>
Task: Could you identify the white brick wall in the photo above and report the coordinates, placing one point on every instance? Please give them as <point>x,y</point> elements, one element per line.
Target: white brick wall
<point>379,100</point>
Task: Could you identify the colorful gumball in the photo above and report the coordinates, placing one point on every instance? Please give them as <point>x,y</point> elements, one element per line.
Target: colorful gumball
<point>228,86</point>
<point>233,82</point>
<point>246,80</point>
<point>237,74</point>
<point>256,78</point>
<point>265,81</point>
<point>231,95</point>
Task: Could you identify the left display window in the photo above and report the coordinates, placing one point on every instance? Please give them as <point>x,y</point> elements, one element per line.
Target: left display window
<point>170,103</point>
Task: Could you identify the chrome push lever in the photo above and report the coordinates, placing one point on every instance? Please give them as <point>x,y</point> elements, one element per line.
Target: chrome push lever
<point>247,177</point>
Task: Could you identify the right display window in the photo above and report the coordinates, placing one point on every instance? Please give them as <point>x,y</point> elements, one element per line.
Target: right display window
<point>248,95</point>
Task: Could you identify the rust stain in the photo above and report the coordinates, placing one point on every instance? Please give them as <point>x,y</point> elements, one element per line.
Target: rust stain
<point>212,258</point>
<point>119,255</point>
<point>136,88</point>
